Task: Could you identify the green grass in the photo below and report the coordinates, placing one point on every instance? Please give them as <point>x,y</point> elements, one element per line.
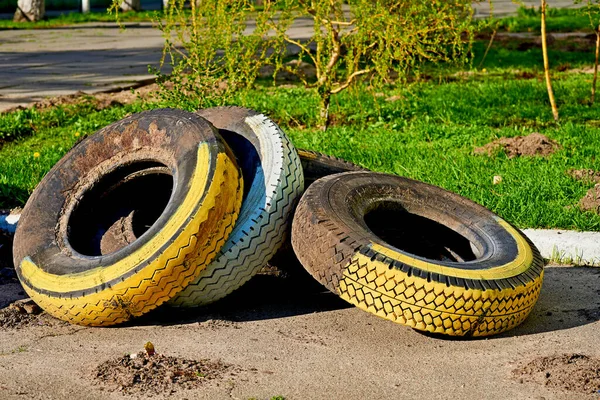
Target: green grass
<point>557,20</point>
<point>526,20</point>
<point>505,56</point>
<point>429,134</point>
<point>75,18</point>
<point>24,162</point>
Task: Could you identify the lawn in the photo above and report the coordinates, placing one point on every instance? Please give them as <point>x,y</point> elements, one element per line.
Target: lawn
<point>558,20</point>
<point>425,130</point>
<point>526,20</point>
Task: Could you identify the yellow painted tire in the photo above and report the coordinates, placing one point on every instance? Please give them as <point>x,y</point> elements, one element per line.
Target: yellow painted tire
<point>166,170</point>
<point>416,254</point>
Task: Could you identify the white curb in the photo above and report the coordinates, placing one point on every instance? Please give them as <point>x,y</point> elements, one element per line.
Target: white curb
<point>8,221</point>
<point>568,247</point>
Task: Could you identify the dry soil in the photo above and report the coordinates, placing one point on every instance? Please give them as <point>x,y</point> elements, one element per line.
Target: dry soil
<point>534,144</point>
<point>284,335</point>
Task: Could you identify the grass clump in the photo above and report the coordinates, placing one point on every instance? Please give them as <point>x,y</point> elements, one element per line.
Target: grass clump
<point>557,20</point>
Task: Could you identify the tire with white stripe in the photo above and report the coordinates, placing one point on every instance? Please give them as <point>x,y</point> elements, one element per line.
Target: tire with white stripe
<point>274,183</point>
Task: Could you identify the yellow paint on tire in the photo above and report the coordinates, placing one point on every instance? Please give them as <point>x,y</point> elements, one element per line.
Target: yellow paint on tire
<point>518,265</point>
<point>433,306</point>
<point>194,233</point>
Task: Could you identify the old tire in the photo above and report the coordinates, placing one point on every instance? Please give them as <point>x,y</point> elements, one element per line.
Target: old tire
<point>316,165</point>
<point>274,183</point>
<point>185,189</point>
<point>416,254</point>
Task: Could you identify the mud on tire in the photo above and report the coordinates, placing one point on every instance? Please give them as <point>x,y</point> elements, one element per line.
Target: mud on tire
<point>416,254</point>
<point>164,171</point>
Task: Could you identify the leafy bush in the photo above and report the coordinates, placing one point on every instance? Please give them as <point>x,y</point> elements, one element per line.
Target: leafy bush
<point>211,55</point>
<point>217,47</point>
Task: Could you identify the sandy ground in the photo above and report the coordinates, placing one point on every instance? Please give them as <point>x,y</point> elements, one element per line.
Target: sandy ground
<point>287,337</point>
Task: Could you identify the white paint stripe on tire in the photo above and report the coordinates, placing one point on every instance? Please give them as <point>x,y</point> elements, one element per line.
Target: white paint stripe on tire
<point>262,225</point>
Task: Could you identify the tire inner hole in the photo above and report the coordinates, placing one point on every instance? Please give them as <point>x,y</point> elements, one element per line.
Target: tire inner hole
<point>418,235</point>
<point>120,208</point>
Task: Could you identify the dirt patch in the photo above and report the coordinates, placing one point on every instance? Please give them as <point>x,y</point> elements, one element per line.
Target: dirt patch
<point>583,70</point>
<point>591,200</point>
<point>571,372</point>
<point>25,313</point>
<point>291,72</point>
<point>338,120</point>
<point>526,75</point>
<point>147,92</point>
<point>146,374</point>
<point>557,42</point>
<point>99,100</point>
<point>585,175</point>
<point>534,144</point>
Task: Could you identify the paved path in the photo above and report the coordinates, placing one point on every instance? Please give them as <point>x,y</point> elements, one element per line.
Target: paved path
<point>503,8</point>
<point>99,56</point>
<point>90,58</point>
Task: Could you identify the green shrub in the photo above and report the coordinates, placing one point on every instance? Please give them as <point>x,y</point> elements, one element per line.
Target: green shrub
<point>211,55</point>
<point>217,47</point>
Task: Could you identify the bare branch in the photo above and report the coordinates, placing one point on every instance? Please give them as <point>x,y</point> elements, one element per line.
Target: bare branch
<point>340,23</point>
<point>350,79</point>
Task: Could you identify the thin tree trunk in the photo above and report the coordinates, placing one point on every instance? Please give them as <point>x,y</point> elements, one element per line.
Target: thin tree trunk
<point>487,50</point>
<point>546,63</point>
<point>596,64</point>
<point>30,10</point>
<point>131,5</point>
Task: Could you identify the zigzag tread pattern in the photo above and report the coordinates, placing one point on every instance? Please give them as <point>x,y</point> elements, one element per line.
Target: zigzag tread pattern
<point>148,289</point>
<point>227,274</point>
<point>333,257</point>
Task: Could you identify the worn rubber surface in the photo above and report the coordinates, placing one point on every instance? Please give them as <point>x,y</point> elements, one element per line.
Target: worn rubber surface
<point>416,254</point>
<point>274,182</point>
<point>58,251</point>
<point>316,165</point>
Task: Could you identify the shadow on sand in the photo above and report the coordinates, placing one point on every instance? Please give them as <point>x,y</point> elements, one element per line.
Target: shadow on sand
<point>570,298</point>
<point>282,292</point>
